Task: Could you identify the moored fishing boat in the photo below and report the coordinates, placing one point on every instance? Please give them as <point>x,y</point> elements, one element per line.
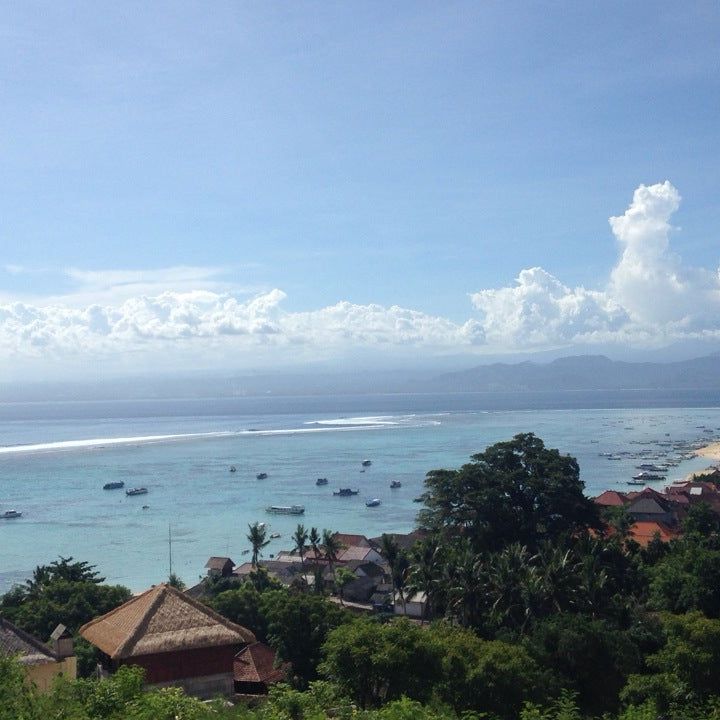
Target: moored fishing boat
<point>285,509</point>
<point>114,485</point>
<point>345,492</point>
<point>137,491</point>
<point>11,514</point>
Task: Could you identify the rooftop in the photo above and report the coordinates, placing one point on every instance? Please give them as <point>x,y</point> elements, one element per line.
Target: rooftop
<point>28,649</point>
<point>159,620</point>
<point>256,663</point>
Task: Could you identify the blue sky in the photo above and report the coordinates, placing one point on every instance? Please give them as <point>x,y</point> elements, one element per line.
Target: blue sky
<point>352,158</point>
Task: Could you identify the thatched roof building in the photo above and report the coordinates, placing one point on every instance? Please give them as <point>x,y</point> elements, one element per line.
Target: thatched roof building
<point>41,662</point>
<point>176,639</point>
<point>255,669</point>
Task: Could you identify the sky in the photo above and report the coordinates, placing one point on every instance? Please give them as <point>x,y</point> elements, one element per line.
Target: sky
<point>254,185</point>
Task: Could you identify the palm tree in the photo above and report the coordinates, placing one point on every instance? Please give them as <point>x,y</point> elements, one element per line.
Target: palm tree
<point>390,550</point>
<point>300,538</point>
<point>314,540</point>
<point>257,537</point>
<point>424,574</point>
<point>332,548</point>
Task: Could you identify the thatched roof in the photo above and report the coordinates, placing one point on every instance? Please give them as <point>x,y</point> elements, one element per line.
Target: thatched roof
<point>26,648</point>
<point>160,620</point>
<point>256,663</point>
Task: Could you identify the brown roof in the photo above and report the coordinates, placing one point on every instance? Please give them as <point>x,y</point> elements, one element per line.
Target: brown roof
<point>218,563</point>
<point>352,540</point>
<point>256,663</point>
<point>159,620</point>
<point>611,498</point>
<point>28,649</point>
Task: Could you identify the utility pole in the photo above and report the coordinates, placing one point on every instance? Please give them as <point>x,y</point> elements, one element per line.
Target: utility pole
<point>170,545</point>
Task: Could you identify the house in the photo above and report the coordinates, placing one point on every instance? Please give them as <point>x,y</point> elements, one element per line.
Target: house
<point>255,669</point>
<point>219,567</point>
<point>414,607</point>
<point>42,663</point>
<point>174,638</point>
<point>652,508</point>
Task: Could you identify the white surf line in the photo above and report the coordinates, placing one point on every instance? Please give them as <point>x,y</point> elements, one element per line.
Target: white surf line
<point>102,442</point>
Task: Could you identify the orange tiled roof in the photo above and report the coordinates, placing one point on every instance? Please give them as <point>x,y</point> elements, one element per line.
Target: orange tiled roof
<point>644,531</point>
<point>256,663</point>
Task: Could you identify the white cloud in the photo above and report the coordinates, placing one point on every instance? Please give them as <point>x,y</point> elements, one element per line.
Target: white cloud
<point>650,296</point>
<point>197,316</point>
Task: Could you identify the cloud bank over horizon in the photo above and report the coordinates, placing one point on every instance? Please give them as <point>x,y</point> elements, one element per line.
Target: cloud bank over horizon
<point>187,315</point>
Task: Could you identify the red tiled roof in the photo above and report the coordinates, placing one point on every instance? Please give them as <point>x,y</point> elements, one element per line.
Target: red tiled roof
<point>256,663</point>
<point>611,498</point>
<point>352,540</point>
<point>644,531</point>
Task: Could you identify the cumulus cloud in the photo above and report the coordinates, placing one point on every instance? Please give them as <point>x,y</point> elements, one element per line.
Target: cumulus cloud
<point>200,316</point>
<point>650,296</point>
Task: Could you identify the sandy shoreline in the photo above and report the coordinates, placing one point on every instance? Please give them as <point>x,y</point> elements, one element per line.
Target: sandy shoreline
<point>711,451</point>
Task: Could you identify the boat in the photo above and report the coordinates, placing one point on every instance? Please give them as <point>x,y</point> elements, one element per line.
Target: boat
<point>285,509</point>
<point>114,485</point>
<point>636,482</point>
<point>10,514</point>
<point>233,468</point>
<point>395,484</point>
<point>275,536</point>
<point>652,467</point>
<point>366,463</point>
<point>137,491</point>
<point>344,492</point>
<point>372,503</point>
<point>261,476</point>
<point>321,481</point>
<point>646,476</point>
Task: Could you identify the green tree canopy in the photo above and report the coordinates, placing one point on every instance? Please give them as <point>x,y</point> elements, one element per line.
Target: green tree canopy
<point>514,491</point>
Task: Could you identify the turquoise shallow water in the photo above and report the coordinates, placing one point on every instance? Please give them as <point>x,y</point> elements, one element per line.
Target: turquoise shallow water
<point>55,457</point>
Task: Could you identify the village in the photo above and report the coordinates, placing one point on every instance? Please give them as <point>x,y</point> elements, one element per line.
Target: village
<point>179,640</point>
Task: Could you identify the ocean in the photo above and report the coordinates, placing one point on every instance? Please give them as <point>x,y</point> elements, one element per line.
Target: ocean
<point>55,458</point>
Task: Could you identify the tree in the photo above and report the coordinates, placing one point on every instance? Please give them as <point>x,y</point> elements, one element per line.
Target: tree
<point>514,491</point>
<point>297,626</point>
<point>587,656</point>
<point>331,549</point>
<point>486,676</point>
<point>314,539</point>
<point>244,607</point>
<point>174,580</point>
<point>343,578</point>
<point>687,668</point>
<point>377,663</point>
<point>257,536</point>
<point>300,540</point>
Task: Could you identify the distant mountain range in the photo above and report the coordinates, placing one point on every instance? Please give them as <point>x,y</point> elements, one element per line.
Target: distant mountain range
<point>583,372</point>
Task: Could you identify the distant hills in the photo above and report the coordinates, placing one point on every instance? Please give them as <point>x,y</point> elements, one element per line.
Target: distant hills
<point>583,372</point>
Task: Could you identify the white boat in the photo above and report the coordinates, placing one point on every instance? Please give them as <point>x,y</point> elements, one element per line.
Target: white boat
<point>373,503</point>
<point>9,514</point>
<point>137,491</point>
<point>366,463</point>
<point>285,509</point>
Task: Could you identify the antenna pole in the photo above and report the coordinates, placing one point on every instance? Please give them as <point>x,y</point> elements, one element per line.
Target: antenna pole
<point>170,545</point>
